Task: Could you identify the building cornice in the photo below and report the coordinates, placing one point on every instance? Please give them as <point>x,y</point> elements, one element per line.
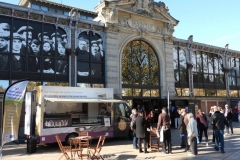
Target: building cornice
<point>205,47</point>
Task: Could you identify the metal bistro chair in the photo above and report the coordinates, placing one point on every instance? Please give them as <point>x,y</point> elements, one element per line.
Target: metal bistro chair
<point>64,149</point>
<point>94,152</point>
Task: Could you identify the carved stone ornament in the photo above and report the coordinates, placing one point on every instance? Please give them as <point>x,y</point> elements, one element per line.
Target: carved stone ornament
<point>141,25</point>
<point>112,28</point>
<point>168,38</point>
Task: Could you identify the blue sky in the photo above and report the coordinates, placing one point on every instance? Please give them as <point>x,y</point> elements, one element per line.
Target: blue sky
<point>213,22</point>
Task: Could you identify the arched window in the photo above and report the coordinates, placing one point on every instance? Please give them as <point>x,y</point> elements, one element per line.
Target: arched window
<point>140,70</point>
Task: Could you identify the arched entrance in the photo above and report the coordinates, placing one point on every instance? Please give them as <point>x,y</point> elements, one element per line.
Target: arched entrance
<point>140,75</point>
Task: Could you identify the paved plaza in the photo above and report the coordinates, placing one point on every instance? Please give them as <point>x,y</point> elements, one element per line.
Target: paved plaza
<point>121,149</point>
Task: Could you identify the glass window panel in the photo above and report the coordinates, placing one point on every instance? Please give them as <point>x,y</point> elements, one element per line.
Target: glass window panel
<point>194,62</point>
<point>66,13</point>
<point>238,81</point>
<point>3,85</point>
<point>199,61</point>
<point>233,93</point>
<point>205,62</point>
<point>34,6</point>
<point>83,69</point>
<point>211,78</point>
<point>183,76</point>
<point>195,77</point>
<point>84,85</point>
<point>220,65</point>
<point>48,65</point>
<point>217,79</point>
<point>237,67</point>
<point>43,8</point>
<point>18,63</point>
<point>206,78</point>
<point>221,93</point>
<point>216,64</point>
<point>139,64</point>
<point>97,85</point>
<point>136,92</point>
<point>176,75</point>
<point>127,92</point>
<point>211,92</point>
<point>199,92</point>
<point>97,70</point>
<point>182,61</point>
<point>32,85</point>
<point>210,63</point>
<point>200,77</point>
<point>59,11</point>
<point>175,58</point>
<point>4,61</point>
<point>178,91</point>
<point>52,10</point>
<point>146,92</point>
<point>61,66</point>
<point>155,93</point>
<point>185,91</point>
<point>232,80</point>
<point>49,84</point>
<point>61,84</point>
<point>82,48</point>
<point>83,16</point>
<point>90,18</point>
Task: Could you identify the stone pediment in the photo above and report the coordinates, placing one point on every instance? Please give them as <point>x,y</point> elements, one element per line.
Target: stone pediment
<point>108,10</point>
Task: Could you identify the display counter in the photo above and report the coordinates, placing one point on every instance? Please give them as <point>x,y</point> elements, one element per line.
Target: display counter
<point>57,120</point>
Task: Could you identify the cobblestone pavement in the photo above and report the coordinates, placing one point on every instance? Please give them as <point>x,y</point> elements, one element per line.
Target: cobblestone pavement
<point>121,149</point>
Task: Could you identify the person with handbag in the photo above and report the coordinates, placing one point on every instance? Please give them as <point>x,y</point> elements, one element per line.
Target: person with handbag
<point>165,133</point>
<point>192,134</point>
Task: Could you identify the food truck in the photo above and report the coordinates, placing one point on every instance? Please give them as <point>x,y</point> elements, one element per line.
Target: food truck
<point>65,111</point>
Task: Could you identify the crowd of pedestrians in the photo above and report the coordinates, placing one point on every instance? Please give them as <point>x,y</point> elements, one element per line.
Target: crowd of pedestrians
<point>191,128</point>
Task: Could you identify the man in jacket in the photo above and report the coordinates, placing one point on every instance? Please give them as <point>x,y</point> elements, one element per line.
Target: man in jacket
<point>140,125</point>
<point>164,123</point>
<point>219,121</point>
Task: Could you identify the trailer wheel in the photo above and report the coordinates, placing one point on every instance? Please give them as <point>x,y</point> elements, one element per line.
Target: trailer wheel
<point>67,140</point>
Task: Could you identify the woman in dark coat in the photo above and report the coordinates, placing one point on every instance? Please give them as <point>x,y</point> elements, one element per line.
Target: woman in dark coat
<point>149,125</point>
<point>140,126</point>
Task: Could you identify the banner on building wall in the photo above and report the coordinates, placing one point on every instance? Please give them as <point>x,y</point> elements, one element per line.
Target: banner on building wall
<point>12,107</point>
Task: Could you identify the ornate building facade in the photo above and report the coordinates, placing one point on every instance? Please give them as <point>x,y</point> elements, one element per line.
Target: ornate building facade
<point>128,46</point>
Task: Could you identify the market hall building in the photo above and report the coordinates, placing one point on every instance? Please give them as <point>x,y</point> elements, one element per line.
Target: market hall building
<point>125,45</point>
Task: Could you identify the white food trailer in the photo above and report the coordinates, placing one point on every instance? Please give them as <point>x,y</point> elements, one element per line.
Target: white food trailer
<point>65,111</point>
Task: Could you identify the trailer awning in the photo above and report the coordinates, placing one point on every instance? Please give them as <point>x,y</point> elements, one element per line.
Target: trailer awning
<point>82,100</point>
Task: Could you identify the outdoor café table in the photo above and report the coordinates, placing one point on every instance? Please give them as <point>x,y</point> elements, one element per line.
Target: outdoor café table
<point>78,143</point>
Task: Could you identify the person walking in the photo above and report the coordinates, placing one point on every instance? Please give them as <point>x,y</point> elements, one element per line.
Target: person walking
<point>192,134</point>
<point>219,121</point>
<point>183,129</point>
<point>133,117</point>
<point>140,126</point>
<point>202,124</point>
<point>229,119</point>
<point>164,126</point>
